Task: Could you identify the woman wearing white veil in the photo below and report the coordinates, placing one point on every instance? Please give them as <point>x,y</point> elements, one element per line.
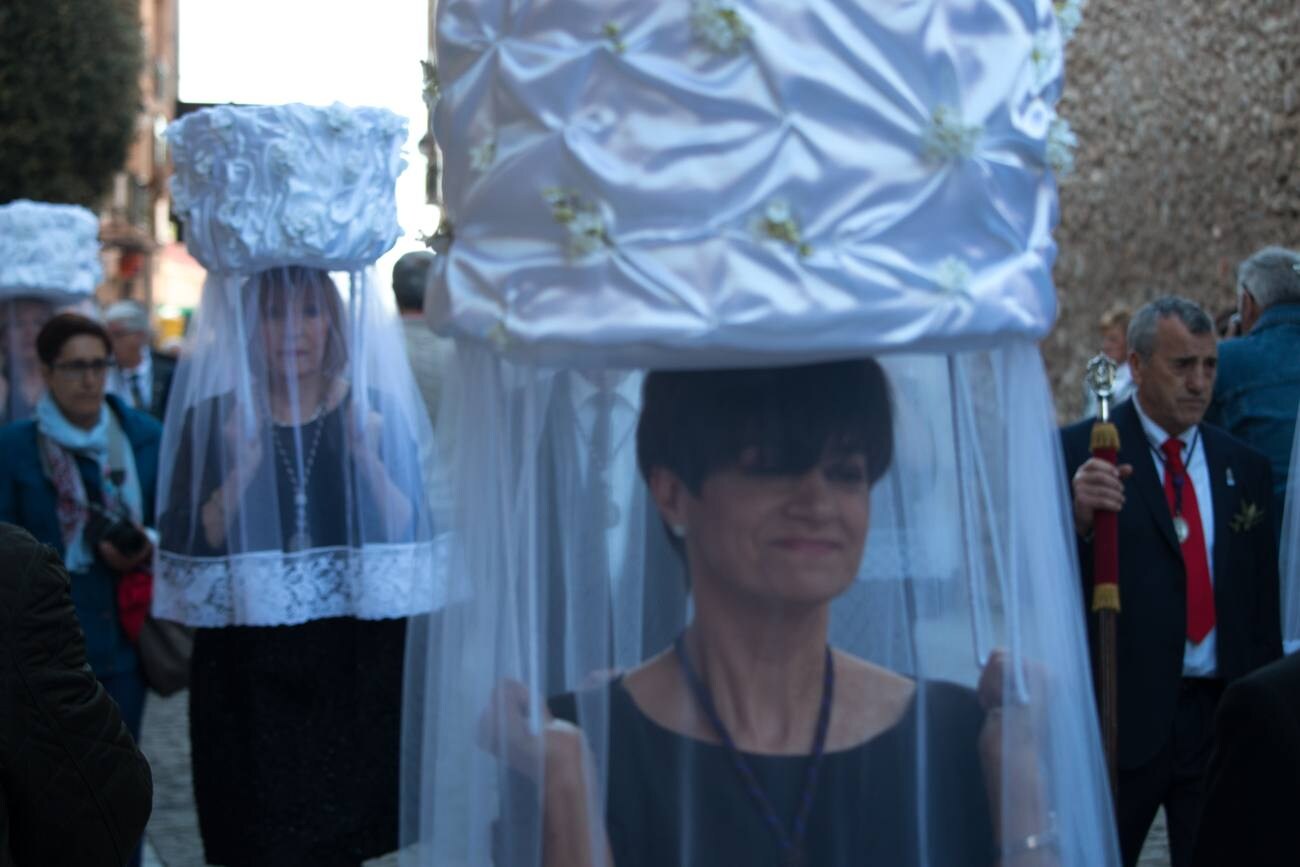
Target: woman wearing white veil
<point>296,531</point>
<point>49,258</point>
<point>786,213</point>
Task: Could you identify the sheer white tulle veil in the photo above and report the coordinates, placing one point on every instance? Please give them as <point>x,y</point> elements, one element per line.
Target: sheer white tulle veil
<point>636,187</point>
<point>293,483</point>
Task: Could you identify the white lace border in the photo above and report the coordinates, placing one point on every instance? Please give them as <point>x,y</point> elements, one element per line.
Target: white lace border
<point>277,588</point>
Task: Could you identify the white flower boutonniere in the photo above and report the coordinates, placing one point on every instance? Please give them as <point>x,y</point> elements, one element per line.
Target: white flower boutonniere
<point>1248,517</point>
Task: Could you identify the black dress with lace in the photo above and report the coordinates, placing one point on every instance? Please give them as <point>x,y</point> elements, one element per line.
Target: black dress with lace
<point>677,802</point>
<point>295,730</point>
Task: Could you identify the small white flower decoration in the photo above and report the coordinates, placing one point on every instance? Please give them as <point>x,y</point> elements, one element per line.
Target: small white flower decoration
<point>499,336</point>
<point>582,220</point>
<point>483,155</point>
<point>614,34</point>
<point>948,137</point>
<point>720,25</point>
<point>1069,15</point>
<point>777,222</point>
<point>953,277</point>
<point>1061,142</point>
<point>1043,55</point>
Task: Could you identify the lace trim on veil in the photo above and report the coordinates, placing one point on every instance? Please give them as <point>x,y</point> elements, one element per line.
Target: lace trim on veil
<point>276,588</point>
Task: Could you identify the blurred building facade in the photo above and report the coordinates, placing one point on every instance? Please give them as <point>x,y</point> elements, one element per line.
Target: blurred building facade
<point>135,223</point>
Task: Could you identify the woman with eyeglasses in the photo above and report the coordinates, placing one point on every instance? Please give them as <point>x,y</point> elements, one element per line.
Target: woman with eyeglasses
<point>80,476</point>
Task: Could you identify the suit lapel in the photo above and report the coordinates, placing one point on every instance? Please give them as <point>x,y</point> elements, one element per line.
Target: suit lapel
<point>1135,450</point>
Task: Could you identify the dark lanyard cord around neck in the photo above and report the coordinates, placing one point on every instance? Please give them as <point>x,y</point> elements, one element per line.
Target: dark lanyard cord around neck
<point>1186,474</point>
<point>790,841</point>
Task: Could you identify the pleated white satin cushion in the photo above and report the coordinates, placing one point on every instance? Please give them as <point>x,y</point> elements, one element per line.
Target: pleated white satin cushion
<point>675,184</point>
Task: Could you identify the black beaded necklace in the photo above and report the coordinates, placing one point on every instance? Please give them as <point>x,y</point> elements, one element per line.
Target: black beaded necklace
<point>790,841</point>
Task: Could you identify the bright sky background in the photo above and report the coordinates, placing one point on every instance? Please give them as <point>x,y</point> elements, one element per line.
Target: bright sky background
<point>358,52</point>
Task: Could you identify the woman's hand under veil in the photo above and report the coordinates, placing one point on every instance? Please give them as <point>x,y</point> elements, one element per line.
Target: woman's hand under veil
<point>555,758</point>
<point>1008,747</point>
<point>236,440</point>
<point>366,447</point>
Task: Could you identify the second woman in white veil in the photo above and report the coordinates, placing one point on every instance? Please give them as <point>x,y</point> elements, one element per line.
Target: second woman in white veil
<point>296,530</point>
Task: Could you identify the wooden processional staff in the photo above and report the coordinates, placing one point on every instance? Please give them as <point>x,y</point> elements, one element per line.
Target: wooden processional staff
<point>1105,566</point>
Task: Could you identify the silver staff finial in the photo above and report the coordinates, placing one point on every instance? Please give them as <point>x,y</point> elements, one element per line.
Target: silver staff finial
<point>1101,379</point>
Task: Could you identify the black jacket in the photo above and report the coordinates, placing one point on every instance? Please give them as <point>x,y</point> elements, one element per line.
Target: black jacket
<point>1253,787</point>
<point>164,370</point>
<point>74,789</point>
<point>1153,584</point>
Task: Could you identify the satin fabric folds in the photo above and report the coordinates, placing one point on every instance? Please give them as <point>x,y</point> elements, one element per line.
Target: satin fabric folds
<point>680,148</point>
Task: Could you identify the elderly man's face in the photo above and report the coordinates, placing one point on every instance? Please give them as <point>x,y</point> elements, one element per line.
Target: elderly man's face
<point>128,344</point>
<point>1174,385</point>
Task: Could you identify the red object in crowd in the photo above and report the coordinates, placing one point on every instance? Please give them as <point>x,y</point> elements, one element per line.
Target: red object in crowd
<point>134,593</point>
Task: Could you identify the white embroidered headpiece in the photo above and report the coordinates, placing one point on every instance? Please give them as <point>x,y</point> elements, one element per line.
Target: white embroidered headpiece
<point>48,250</point>
<point>731,181</point>
<point>265,186</point>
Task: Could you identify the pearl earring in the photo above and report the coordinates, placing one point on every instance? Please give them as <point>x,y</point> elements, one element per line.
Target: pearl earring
<point>679,531</point>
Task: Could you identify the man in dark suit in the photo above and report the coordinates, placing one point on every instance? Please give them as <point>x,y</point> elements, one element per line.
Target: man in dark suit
<point>1197,567</point>
<point>1253,784</point>
<point>143,376</point>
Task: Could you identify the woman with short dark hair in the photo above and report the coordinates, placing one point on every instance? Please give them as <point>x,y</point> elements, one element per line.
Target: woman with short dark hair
<point>751,735</point>
<point>80,476</point>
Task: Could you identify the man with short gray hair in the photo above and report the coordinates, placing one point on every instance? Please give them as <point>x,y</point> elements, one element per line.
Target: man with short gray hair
<point>1198,572</point>
<point>429,354</point>
<point>1258,389</point>
<point>143,376</point>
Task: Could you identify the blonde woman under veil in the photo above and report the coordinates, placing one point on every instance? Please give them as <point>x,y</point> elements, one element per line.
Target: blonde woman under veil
<point>297,534</point>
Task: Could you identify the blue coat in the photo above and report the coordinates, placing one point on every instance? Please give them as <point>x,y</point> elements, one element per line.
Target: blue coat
<point>1257,390</point>
<point>27,498</point>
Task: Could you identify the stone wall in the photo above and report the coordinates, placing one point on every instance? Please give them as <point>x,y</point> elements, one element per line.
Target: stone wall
<point>1188,115</point>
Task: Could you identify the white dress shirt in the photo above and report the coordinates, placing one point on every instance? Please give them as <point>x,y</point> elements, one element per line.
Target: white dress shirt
<point>616,470</point>
<point>119,382</point>
<point>1199,660</point>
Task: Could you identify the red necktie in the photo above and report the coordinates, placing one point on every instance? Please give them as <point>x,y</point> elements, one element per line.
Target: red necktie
<point>1179,492</point>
